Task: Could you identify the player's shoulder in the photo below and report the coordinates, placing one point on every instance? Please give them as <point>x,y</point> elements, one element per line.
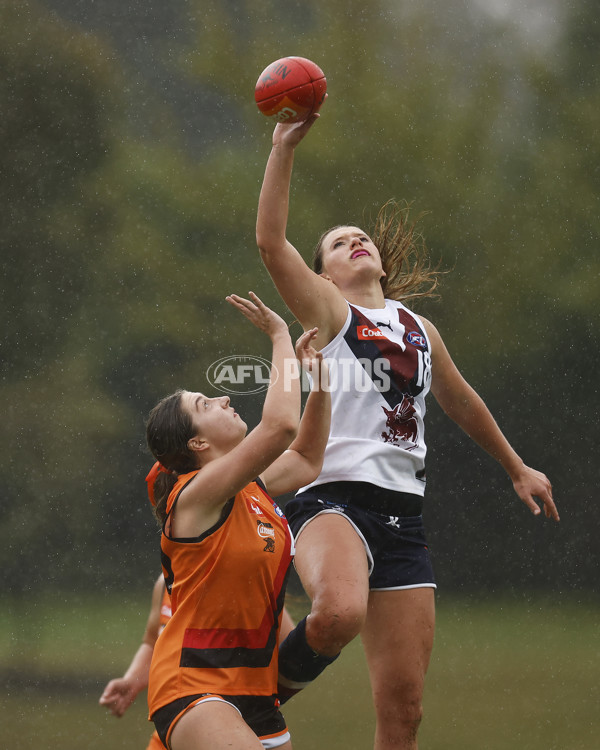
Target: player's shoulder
<point>428,325</point>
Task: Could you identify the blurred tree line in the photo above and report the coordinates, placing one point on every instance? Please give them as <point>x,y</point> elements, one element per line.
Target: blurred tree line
<point>120,242</point>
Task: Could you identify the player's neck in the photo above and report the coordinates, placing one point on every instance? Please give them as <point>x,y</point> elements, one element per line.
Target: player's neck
<point>372,297</point>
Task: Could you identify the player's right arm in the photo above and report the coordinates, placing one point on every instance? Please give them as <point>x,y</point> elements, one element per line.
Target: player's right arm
<point>315,301</point>
<point>232,469</point>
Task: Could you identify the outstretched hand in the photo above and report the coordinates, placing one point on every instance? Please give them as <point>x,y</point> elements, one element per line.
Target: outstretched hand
<point>311,360</point>
<point>531,484</point>
<point>259,314</point>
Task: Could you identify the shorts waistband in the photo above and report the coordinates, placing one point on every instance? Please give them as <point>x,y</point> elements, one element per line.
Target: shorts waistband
<point>367,496</point>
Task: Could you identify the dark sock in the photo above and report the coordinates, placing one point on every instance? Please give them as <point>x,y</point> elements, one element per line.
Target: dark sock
<point>298,663</point>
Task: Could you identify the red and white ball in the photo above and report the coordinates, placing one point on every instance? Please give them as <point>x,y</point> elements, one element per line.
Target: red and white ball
<point>290,89</point>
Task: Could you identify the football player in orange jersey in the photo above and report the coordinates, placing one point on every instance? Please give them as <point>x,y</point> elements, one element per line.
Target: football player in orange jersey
<point>121,692</point>
<point>226,547</point>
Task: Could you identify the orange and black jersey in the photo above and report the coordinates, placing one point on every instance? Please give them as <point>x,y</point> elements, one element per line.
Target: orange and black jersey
<point>165,611</point>
<point>227,590</point>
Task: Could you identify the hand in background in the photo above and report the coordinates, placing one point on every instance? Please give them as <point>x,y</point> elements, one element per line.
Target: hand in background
<point>118,695</point>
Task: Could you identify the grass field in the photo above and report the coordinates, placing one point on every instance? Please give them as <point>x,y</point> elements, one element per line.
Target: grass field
<point>514,673</point>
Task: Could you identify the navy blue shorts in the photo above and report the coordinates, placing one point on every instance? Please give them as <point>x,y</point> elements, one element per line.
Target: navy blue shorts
<point>393,534</point>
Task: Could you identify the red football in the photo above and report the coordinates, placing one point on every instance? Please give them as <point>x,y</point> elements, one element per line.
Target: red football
<point>290,89</point>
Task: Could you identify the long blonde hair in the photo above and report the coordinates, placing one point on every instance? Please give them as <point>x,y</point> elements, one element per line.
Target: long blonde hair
<point>404,255</point>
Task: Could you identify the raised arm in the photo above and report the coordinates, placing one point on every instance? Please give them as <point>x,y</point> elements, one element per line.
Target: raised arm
<point>462,404</point>
<point>312,299</point>
<point>228,472</point>
<point>303,460</point>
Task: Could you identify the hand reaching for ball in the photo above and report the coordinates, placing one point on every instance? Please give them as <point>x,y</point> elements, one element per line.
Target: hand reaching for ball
<point>290,134</point>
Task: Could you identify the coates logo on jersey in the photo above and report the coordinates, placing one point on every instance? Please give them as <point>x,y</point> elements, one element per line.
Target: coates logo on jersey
<point>416,339</point>
<point>265,530</point>
<point>365,333</point>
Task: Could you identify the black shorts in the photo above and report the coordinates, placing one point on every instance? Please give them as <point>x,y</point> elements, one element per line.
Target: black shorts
<point>260,712</point>
<point>389,523</point>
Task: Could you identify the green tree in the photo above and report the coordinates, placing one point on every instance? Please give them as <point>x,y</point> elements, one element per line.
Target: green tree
<point>119,249</point>
<point>472,121</point>
<point>113,286</point>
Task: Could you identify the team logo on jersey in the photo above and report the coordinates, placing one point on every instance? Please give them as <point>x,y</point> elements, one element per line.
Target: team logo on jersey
<point>364,333</point>
<point>400,425</point>
<point>416,339</point>
<point>267,532</point>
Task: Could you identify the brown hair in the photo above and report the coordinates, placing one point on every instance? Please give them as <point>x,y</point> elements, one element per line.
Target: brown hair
<point>404,255</point>
<point>168,429</point>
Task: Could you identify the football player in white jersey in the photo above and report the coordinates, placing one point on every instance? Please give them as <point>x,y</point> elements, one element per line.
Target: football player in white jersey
<point>361,552</point>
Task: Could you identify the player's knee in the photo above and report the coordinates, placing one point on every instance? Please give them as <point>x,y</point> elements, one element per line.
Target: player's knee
<point>400,708</point>
<point>411,714</point>
<point>399,723</point>
<point>329,630</point>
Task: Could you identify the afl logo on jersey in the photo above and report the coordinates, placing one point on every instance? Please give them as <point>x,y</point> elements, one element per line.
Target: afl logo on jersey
<point>365,333</point>
<point>416,339</point>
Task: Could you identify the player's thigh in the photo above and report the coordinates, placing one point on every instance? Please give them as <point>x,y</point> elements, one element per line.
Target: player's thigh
<point>331,561</point>
<point>213,725</point>
<point>398,639</point>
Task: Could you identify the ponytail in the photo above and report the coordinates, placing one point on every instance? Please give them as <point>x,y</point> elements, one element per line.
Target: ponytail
<point>404,255</point>
<point>160,482</point>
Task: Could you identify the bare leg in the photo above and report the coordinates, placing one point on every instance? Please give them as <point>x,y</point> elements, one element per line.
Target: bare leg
<point>332,564</point>
<point>398,638</point>
<point>215,725</point>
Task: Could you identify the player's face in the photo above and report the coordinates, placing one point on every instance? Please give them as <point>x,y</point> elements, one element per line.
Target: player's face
<point>348,253</point>
<point>214,420</point>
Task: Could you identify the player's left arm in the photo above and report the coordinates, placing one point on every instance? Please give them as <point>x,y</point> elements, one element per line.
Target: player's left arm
<point>303,460</point>
<point>464,405</point>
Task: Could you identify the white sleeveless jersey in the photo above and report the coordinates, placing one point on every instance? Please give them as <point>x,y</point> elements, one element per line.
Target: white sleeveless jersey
<point>380,370</point>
